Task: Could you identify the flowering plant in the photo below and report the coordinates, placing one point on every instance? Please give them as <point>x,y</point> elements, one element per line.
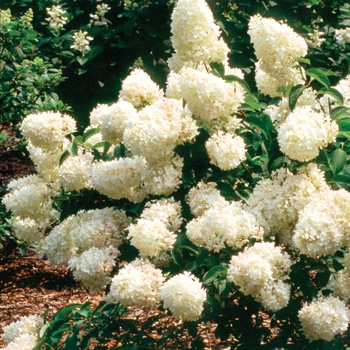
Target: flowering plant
<point>202,199</point>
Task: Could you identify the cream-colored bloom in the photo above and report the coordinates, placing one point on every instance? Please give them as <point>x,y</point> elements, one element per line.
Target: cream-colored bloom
<point>114,119</point>
<point>260,271</point>
<point>184,296</point>
<point>210,99</point>
<point>203,197</point>
<point>30,197</point>
<point>156,230</point>
<point>93,266</point>
<point>278,49</point>
<point>47,129</point>
<point>223,224</point>
<point>137,284</point>
<point>57,18</point>
<point>139,89</point>
<point>195,36</point>
<point>225,150</point>
<point>342,35</point>
<point>276,202</point>
<point>120,178</point>
<point>324,318</point>
<point>73,172</point>
<point>304,132</point>
<point>26,325</point>
<point>158,129</point>
<point>323,226</point>
<point>81,41</point>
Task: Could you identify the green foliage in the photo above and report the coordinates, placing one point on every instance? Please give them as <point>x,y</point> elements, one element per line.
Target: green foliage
<point>27,81</point>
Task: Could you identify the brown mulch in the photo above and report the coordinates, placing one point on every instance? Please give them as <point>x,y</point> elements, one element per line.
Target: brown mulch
<point>29,285</point>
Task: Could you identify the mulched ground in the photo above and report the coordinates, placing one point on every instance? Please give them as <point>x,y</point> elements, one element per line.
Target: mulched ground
<point>29,285</point>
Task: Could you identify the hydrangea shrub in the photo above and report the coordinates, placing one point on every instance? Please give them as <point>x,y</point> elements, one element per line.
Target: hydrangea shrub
<point>202,199</point>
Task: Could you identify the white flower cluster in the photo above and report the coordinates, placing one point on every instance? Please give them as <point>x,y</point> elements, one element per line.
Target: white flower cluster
<point>81,41</point>
<point>30,201</point>
<point>46,133</point>
<point>195,36</point>
<point>88,243</point>
<point>47,129</point>
<point>210,99</point>
<point>276,202</point>
<point>139,89</point>
<point>203,197</point>
<point>225,150</point>
<point>73,172</point>
<point>184,296</point>
<point>278,49</point>
<point>57,18</point>
<point>137,284</point>
<point>158,129</point>
<point>120,178</point>
<point>156,229</point>
<point>98,18</point>
<point>223,224</point>
<point>23,334</point>
<point>94,266</point>
<point>304,132</point>
<point>114,119</point>
<point>261,271</point>
<point>324,318</point>
<point>342,36</point>
<point>279,113</point>
<point>323,225</point>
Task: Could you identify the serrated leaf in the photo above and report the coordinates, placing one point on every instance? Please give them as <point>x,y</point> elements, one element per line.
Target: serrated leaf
<point>218,69</point>
<point>214,273</point>
<point>242,82</point>
<point>63,157</point>
<point>295,92</point>
<point>338,160</point>
<point>318,75</point>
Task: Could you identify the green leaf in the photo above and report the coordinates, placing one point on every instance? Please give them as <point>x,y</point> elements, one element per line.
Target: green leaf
<point>318,75</point>
<point>218,69</point>
<point>64,156</point>
<point>340,112</point>
<point>242,82</point>
<point>90,133</point>
<point>99,145</point>
<point>332,92</point>
<point>214,273</point>
<point>338,160</point>
<point>177,257</point>
<point>342,180</point>
<point>344,127</point>
<point>259,124</point>
<point>304,60</point>
<point>295,92</point>
<point>73,148</point>
<point>253,102</point>
<point>78,139</point>
<point>119,151</point>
